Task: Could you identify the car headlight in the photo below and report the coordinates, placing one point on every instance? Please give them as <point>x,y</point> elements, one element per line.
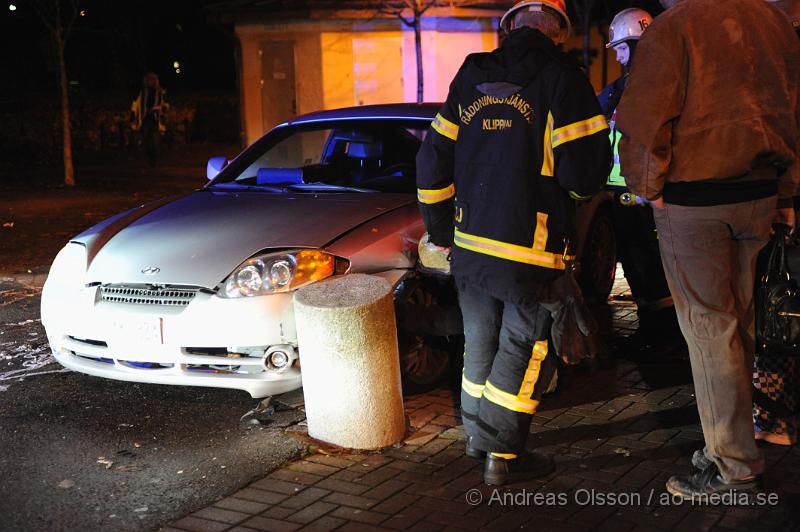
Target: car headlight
<point>69,266</point>
<point>280,272</point>
<point>63,286</point>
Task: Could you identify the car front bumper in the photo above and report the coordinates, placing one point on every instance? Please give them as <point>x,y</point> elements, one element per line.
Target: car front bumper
<point>212,341</point>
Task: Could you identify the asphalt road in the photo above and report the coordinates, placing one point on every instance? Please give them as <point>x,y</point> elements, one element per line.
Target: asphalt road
<point>82,453</point>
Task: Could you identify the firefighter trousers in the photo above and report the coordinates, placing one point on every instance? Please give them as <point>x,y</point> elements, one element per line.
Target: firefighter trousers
<point>508,364</point>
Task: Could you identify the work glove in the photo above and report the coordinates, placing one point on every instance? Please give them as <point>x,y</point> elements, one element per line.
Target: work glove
<point>433,257</point>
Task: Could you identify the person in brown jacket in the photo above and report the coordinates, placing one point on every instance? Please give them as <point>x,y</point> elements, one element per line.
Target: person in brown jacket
<point>710,136</point>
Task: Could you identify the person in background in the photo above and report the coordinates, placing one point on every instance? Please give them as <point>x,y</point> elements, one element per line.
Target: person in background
<point>634,226</point>
<point>776,377</point>
<point>709,124</point>
<point>147,115</point>
<point>625,30</point>
<point>519,139</point>
<point>792,10</point>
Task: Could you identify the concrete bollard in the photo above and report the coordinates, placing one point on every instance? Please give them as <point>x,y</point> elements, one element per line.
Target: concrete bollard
<point>347,333</point>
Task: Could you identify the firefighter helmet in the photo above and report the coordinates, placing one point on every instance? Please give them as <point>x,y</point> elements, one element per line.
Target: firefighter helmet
<point>559,6</point>
<point>628,24</point>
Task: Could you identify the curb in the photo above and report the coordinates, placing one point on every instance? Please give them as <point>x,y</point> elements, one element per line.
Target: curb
<point>31,280</point>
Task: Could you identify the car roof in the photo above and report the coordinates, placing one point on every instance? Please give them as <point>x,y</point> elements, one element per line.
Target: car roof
<point>395,111</point>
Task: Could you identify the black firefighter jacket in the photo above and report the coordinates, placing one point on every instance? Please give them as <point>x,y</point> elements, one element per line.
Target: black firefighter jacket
<point>520,137</point>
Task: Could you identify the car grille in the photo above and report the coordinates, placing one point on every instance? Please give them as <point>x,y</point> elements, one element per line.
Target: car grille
<point>148,295</point>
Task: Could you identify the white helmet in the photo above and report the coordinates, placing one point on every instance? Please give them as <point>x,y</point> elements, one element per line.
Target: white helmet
<point>559,6</point>
<point>628,24</point>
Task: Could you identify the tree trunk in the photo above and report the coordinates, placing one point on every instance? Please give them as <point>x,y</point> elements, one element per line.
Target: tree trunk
<point>69,174</point>
<point>587,29</point>
<point>418,46</point>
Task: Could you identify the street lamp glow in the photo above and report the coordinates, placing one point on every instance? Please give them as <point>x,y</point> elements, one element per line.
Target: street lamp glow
<point>12,7</point>
<point>176,64</point>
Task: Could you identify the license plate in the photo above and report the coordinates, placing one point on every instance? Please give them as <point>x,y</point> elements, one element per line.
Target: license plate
<point>137,331</point>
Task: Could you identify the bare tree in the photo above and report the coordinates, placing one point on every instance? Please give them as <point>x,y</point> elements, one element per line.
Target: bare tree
<point>584,10</point>
<point>417,8</point>
<point>58,22</point>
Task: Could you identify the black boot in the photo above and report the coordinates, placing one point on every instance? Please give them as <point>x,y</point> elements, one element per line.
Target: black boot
<point>526,466</point>
<point>708,482</point>
<point>472,452</point>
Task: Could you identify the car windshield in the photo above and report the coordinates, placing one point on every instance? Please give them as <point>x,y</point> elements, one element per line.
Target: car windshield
<point>350,156</point>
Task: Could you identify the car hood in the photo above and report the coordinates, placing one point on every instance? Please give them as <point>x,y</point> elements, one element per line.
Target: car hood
<point>201,238</point>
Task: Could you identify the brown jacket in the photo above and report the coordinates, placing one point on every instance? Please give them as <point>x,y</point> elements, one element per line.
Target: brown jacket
<point>713,95</point>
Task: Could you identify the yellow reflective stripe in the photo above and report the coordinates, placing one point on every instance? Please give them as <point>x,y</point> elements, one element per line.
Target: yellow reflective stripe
<point>532,373</point>
<point>578,130</point>
<point>521,402</point>
<point>436,196</point>
<point>547,163</point>
<point>509,401</point>
<point>540,235</point>
<point>445,127</point>
<point>512,252</point>
<point>505,456</point>
<point>475,390</point>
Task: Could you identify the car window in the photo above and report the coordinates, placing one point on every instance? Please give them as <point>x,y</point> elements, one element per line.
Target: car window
<point>365,155</point>
<point>304,148</point>
<point>419,133</point>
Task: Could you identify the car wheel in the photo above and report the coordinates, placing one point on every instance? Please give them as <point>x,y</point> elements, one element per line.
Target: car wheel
<point>599,258</point>
<point>429,324</point>
<point>424,363</point>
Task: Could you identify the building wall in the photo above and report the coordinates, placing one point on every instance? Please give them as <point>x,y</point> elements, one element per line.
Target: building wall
<point>308,71</point>
<point>360,68</point>
<point>342,63</point>
<point>443,54</point>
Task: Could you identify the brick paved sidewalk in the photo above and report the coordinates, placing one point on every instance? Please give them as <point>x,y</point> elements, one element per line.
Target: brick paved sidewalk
<point>616,436</point>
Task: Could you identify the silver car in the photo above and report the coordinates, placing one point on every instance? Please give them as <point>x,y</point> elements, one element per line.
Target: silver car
<point>197,290</point>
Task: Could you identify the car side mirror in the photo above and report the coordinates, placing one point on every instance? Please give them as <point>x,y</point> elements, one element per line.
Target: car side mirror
<point>215,166</point>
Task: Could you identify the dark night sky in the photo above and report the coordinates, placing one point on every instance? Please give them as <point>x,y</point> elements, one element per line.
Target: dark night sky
<point>118,40</point>
<point>113,44</point>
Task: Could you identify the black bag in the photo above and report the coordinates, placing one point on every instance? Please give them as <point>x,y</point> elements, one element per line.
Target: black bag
<point>575,333</point>
<point>778,303</point>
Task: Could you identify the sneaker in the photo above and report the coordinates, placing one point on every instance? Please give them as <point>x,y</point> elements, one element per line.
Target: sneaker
<point>473,452</point>
<point>500,470</point>
<point>709,481</point>
<point>700,460</point>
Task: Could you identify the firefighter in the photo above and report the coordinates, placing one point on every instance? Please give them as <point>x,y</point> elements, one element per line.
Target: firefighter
<point>624,33</point>
<point>147,114</point>
<point>633,221</point>
<point>519,139</point>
